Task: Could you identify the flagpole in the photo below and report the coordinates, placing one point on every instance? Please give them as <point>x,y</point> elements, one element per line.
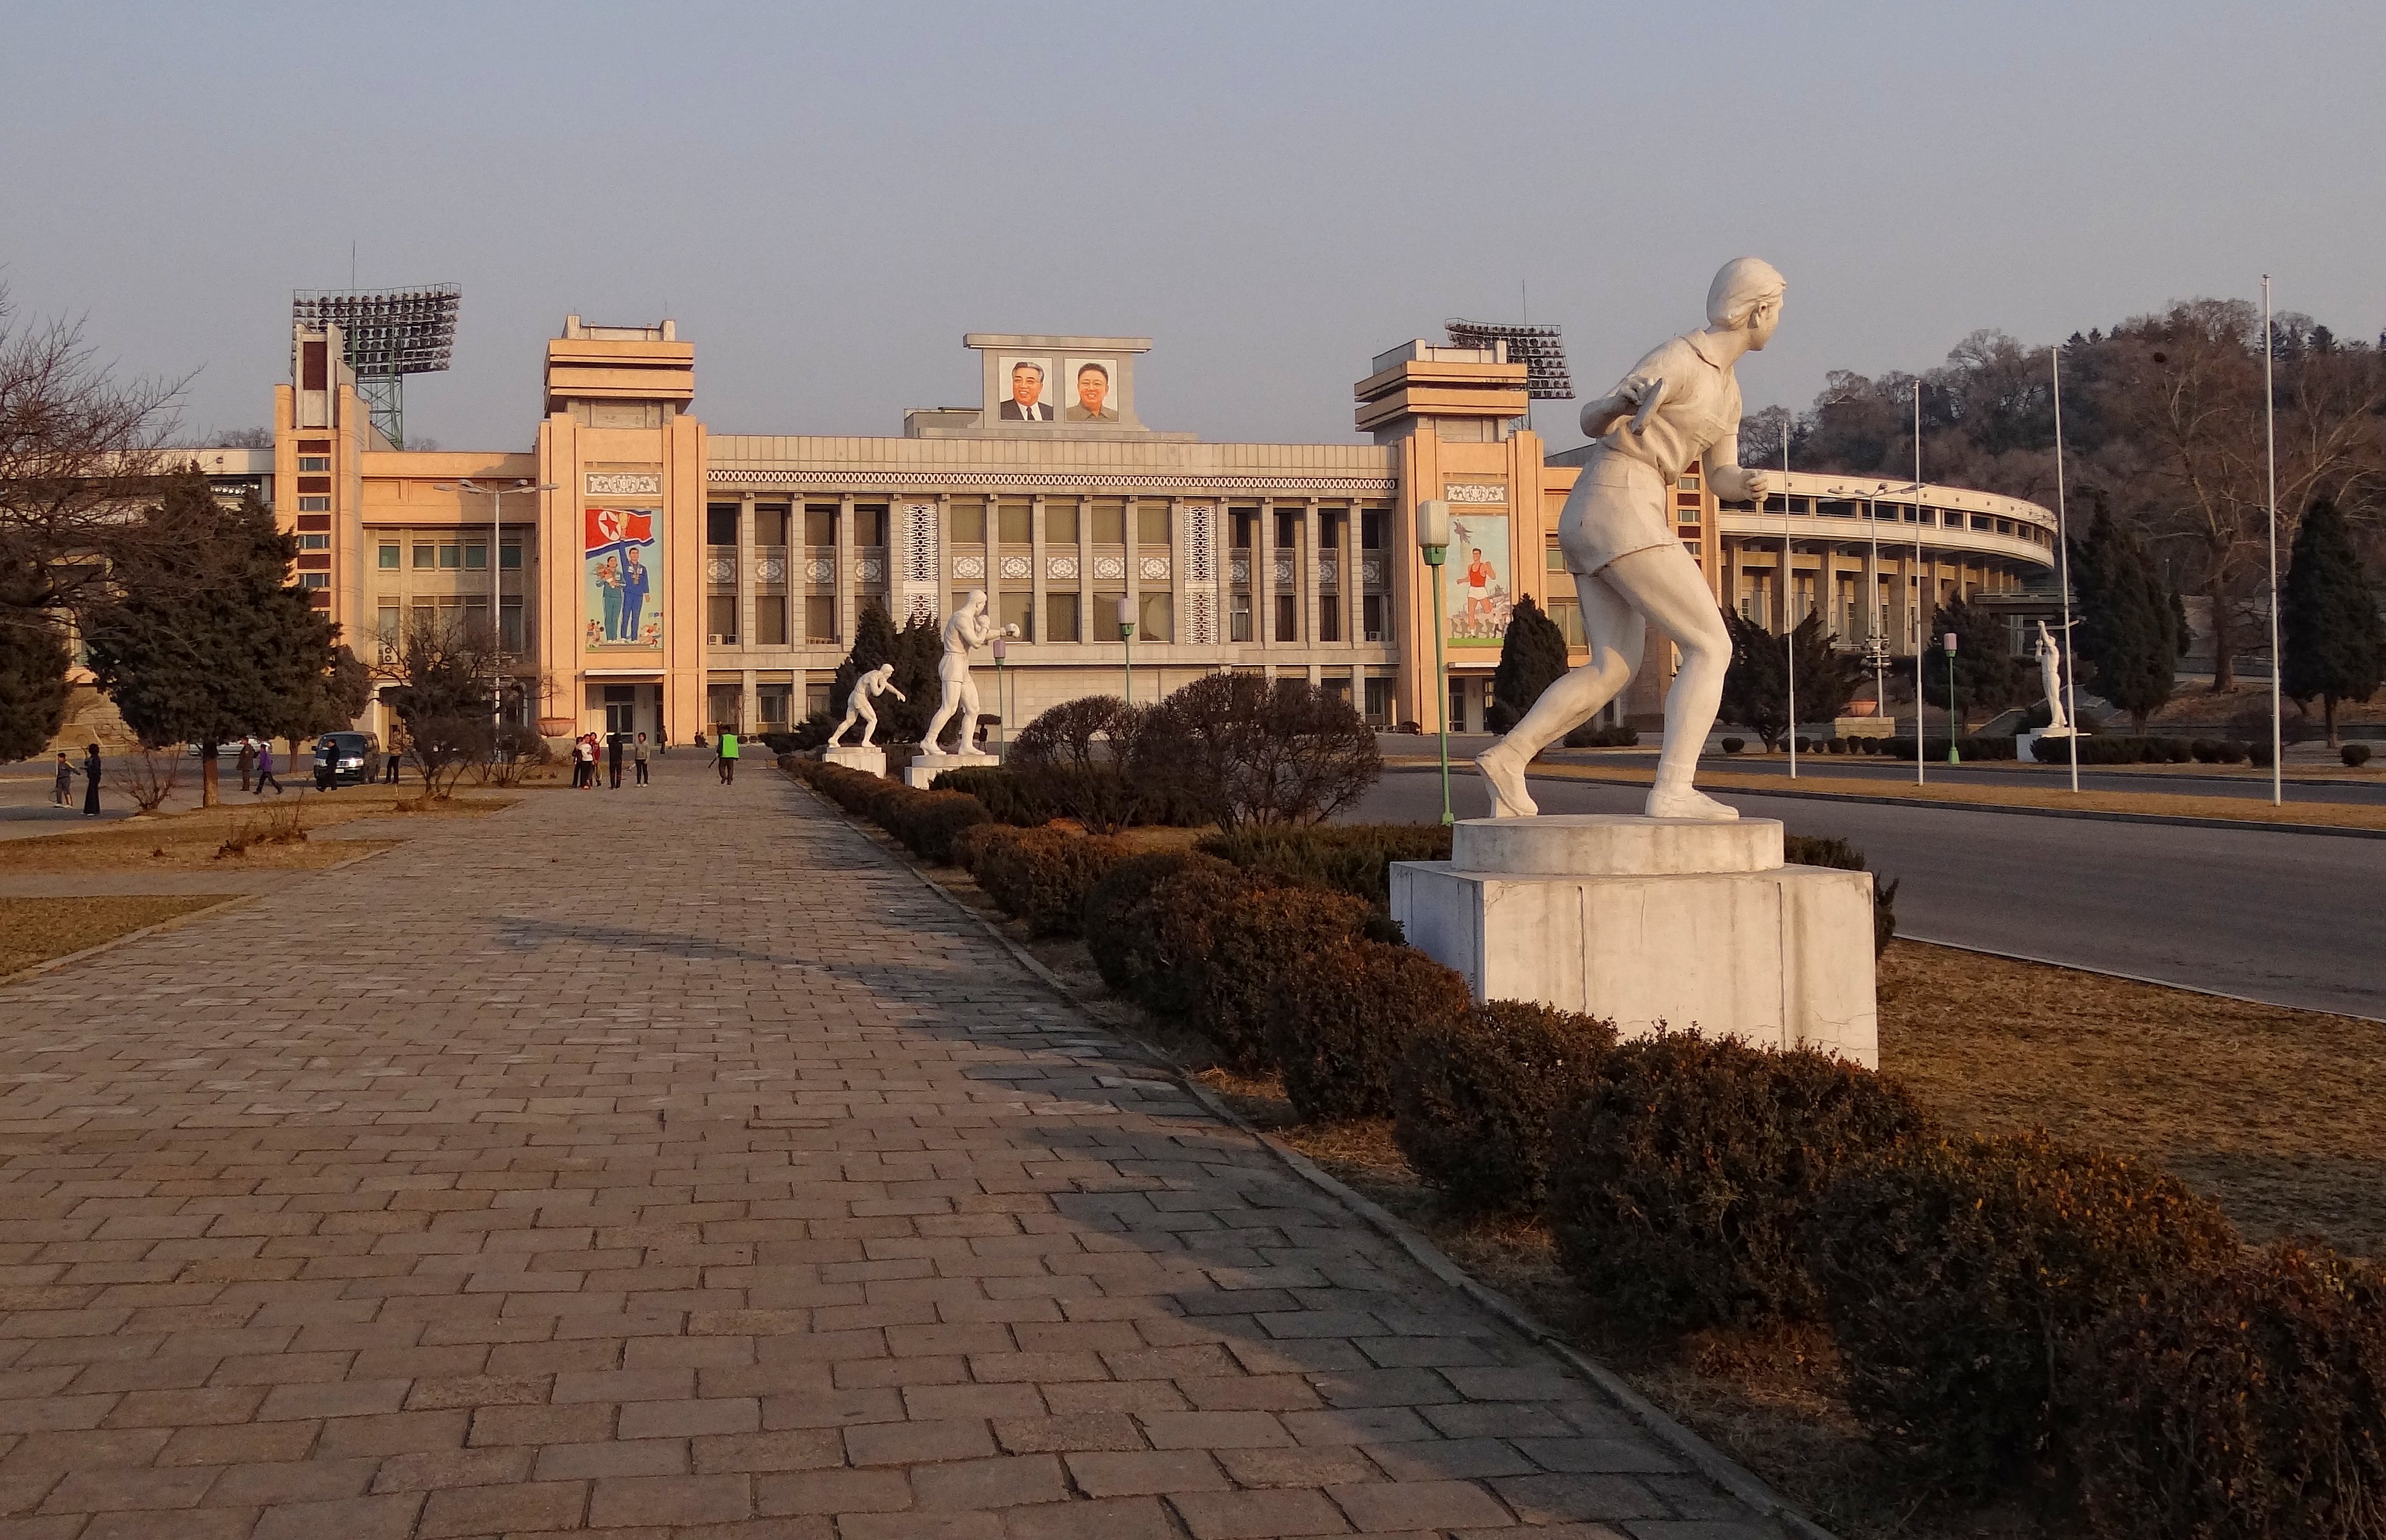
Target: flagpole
<point>2270,453</point>
<point>2063,569</point>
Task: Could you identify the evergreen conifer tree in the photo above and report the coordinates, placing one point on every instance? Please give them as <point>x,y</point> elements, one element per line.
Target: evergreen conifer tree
<point>207,638</point>
<point>1756,686</point>
<point>2128,630</point>
<point>2328,628</point>
<point>32,683</point>
<point>919,647</point>
<point>1987,680</point>
<point>873,644</point>
<point>1532,658</point>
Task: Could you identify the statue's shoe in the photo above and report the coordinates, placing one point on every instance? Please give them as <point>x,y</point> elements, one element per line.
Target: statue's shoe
<point>1505,772</point>
<point>1689,803</point>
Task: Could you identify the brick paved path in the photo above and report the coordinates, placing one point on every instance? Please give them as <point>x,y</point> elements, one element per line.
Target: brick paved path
<point>671,1163</point>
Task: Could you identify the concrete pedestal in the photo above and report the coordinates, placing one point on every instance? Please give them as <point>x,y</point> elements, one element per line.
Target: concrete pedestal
<point>928,766</point>
<point>1652,922</point>
<point>2026,744</point>
<point>855,756</point>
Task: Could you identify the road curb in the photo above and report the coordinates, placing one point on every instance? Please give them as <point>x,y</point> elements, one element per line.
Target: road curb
<point>1710,1462</point>
<point>2174,818</point>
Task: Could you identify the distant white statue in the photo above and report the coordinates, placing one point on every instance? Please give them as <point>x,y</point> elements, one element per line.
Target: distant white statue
<point>1679,404</point>
<point>970,626</point>
<point>2050,674</point>
<point>879,681</point>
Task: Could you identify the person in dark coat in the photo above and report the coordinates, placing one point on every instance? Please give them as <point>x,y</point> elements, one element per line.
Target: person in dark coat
<point>613,758</point>
<point>91,781</point>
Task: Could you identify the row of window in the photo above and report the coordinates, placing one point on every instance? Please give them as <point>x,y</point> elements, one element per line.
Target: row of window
<point>391,618</point>
<point>1010,522</point>
<point>1068,616</point>
<point>470,555</point>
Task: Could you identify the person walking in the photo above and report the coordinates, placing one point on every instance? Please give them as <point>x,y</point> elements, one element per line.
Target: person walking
<point>91,781</point>
<point>62,789</point>
<point>265,776</point>
<point>727,756</point>
<point>639,754</point>
<point>392,757</point>
<point>613,759</point>
<point>247,762</point>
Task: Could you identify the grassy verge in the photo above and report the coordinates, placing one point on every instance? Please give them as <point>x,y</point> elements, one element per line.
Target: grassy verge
<point>35,929</point>
<point>257,832</point>
<point>2236,809</point>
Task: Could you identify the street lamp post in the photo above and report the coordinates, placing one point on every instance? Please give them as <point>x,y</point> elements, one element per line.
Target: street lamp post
<point>1127,634</point>
<point>1001,702</point>
<point>1433,540</point>
<point>1953,758</point>
<point>497,496</point>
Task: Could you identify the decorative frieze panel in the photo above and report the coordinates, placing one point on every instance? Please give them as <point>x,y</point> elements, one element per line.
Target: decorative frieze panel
<point>1155,570</point>
<point>1114,568</point>
<point>969,566</point>
<point>1329,572</point>
<point>1202,618</point>
<point>918,593</point>
<point>1017,569</point>
<point>1063,567</point>
<point>1370,572</point>
<point>1476,493</point>
<point>720,572</point>
<point>1284,571</point>
<point>820,569</point>
<point>625,483</point>
<point>1239,570</point>
<point>770,569</point>
<point>1198,525</point>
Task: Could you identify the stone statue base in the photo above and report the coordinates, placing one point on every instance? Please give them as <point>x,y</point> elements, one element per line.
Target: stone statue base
<point>855,756</point>
<point>931,764</point>
<point>1652,922</point>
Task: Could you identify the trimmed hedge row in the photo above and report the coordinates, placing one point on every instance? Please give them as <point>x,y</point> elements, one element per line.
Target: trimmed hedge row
<point>1355,858</point>
<point>926,822</point>
<point>2107,749</point>
<point>2007,1310</point>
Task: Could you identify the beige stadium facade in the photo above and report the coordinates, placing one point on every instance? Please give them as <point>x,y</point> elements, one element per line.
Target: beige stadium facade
<point>756,555</point>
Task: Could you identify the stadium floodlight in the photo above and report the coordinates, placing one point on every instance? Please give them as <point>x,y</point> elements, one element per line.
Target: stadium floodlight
<point>1541,349</point>
<point>386,335</point>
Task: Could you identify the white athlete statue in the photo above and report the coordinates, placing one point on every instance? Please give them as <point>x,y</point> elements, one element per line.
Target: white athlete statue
<point>2049,652</point>
<point>879,681</point>
<point>1679,404</point>
<point>967,627</point>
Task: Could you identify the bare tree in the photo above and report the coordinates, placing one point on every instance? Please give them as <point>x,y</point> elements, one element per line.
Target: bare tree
<point>444,672</point>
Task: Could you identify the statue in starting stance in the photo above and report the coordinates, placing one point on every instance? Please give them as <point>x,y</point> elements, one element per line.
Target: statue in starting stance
<point>1679,404</point>
<point>879,681</point>
<point>970,626</point>
<point>2049,653</point>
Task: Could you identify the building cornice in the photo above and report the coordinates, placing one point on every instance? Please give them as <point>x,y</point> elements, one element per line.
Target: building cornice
<point>927,479</point>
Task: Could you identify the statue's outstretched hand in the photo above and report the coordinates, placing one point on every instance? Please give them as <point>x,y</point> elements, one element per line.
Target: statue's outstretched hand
<point>1651,394</point>
<point>1012,630</point>
<point>1739,484</point>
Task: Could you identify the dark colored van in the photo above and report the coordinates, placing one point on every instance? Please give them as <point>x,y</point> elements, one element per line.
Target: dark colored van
<point>346,759</point>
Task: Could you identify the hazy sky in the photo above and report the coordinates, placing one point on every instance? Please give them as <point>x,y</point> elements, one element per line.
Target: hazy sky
<point>826,197</point>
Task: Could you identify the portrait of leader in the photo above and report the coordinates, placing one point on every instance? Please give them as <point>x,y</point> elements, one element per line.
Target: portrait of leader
<point>1089,393</point>
<point>1026,403</point>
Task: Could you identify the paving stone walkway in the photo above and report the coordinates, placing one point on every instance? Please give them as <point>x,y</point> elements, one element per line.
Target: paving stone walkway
<point>670,1162</point>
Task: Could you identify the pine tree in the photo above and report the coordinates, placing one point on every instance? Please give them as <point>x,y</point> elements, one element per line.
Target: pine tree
<point>2329,626</point>
<point>205,638</point>
<point>1987,679</point>
<point>32,683</point>
<point>2128,630</point>
<point>1756,686</point>
<point>873,644</point>
<point>918,648</point>
<point>1532,658</point>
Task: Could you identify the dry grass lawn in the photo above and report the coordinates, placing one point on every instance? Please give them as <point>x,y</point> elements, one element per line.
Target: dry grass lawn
<point>35,929</point>
<point>191,841</point>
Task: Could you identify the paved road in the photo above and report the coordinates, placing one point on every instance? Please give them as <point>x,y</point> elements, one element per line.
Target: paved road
<point>655,1160</point>
<point>27,811</point>
<point>2299,919</point>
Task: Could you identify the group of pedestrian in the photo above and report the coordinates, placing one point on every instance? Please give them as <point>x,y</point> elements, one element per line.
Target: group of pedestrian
<point>62,783</point>
<point>617,745</point>
<point>257,764</point>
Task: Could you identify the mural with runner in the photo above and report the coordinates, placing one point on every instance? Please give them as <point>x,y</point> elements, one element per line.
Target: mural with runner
<point>1481,580</point>
<point>622,562</point>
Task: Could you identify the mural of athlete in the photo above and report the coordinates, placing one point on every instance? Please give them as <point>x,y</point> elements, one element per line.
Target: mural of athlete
<point>635,581</point>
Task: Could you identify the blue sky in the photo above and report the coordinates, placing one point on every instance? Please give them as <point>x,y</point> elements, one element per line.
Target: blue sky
<point>826,197</point>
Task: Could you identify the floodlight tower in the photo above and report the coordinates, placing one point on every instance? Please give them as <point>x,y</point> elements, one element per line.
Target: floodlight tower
<point>388,334</point>
<point>1541,349</point>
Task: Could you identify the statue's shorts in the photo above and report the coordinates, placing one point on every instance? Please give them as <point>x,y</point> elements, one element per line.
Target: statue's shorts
<point>1618,506</point>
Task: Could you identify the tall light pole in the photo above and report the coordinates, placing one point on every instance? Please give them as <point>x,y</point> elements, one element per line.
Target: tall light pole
<point>2063,570</point>
<point>1955,755</point>
<point>1433,540</point>
<point>497,496</point>
<point>2270,454</point>
<point>1001,702</point>
<point>1921,736</point>
<point>1126,636</point>
<point>1789,607</point>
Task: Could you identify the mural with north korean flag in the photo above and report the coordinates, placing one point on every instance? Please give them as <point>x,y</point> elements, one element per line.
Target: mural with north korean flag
<point>622,560</point>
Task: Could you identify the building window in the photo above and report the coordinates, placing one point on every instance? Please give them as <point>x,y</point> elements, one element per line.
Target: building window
<point>1374,619</point>
<point>1379,702</point>
<point>1329,617</point>
<point>1371,531</point>
<point>314,505</point>
<point>721,524</point>
<point>770,619</point>
<point>1238,618</point>
<point>1692,546</point>
<point>511,636</point>
<point>314,580</point>
<point>314,542</point>
<point>1013,521</point>
<point>314,462</point>
<point>819,617</point>
<point>1287,618</point>
<point>1246,519</point>
<point>1553,560</point>
<point>385,623</point>
<point>1060,522</point>
<point>1158,619</point>
<point>1567,614</point>
<point>1151,523</point>
<point>771,705</point>
<point>1102,620</point>
<point>870,523</point>
<point>476,558</point>
<point>965,520</point>
<point>510,556</point>
<point>1337,686</point>
<point>816,699</point>
<point>1110,521</point>
<point>389,556</point>
<point>425,557</point>
<point>721,620</point>
<point>1018,608</point>
<point>1060,622</point>
<point>451,557</point>
<point>1287,529</point>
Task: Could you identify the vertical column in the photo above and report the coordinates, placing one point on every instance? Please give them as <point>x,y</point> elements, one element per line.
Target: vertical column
<point>1306,576</point>
<point>1036,576</point>
<point>1107,624</point>
<point>1263,575</point>
<point>847,590</point>
<point>746,581</point>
